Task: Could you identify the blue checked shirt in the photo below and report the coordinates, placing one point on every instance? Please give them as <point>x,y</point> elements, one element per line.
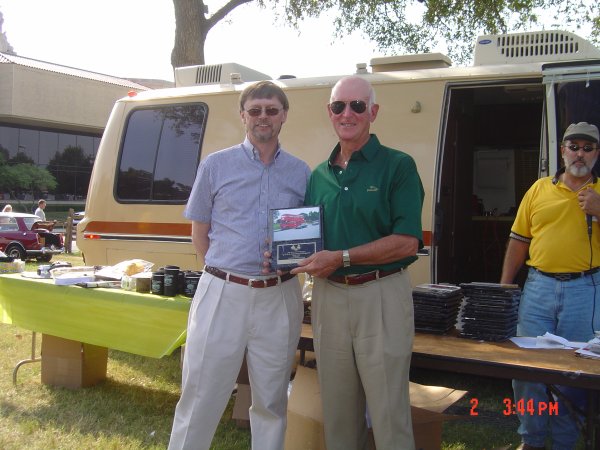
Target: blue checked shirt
<point>234,192</point>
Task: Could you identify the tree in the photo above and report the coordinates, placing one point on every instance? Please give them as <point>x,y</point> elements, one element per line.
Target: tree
<point>390,23</point>
<point>192,24</point>
<point>4,155</point>
<point>19,174</point>
<point>29,178</point>
<point>21,158</point>
<point>72,170</point>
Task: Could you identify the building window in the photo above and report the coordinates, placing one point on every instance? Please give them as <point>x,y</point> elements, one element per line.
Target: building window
<point>67,156</point>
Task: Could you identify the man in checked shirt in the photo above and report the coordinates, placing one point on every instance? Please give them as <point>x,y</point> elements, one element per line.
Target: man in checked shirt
<point>237,309</point>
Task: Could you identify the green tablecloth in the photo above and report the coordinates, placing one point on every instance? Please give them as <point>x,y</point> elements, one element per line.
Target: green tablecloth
<point>143,324</point>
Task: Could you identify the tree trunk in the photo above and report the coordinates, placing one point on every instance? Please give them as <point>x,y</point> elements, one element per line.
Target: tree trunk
<point>191,28</point>
<point>190,33</point>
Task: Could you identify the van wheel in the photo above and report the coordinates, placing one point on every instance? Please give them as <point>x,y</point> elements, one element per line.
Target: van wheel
<point>44,258</point>
<point>16,251</point>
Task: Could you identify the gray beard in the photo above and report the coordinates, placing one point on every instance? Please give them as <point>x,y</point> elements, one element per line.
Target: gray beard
<point>579,171</point>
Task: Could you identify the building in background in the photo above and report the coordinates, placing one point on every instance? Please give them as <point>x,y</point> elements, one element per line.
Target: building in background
<point>55,115</point>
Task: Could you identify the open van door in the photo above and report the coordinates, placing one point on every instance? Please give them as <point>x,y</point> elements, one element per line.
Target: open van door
<point>498,139</point>
<point>489,156</point>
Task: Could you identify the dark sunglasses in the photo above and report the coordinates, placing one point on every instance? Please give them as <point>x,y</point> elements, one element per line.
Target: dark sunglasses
<point>586,148</point>
<point>338,107</point>
<point>269,111</point>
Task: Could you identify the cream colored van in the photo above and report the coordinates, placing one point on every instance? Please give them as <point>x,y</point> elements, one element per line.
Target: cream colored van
<point>480,136</point>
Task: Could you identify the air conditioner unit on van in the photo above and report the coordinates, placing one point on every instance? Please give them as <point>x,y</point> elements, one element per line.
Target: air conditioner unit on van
<point>538,46</point>
<point>216,74</point>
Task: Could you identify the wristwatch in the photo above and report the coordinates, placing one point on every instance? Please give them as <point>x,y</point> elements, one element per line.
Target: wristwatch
<point>346,258</point>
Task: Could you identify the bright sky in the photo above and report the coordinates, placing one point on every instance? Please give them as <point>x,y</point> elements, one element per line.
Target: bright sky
<point>134,38</point>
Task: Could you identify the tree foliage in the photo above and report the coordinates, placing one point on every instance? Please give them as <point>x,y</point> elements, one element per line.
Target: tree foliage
<point>72,170</point>
<point>19,174</point>
<point>17,178</point>
<point>397,26</point>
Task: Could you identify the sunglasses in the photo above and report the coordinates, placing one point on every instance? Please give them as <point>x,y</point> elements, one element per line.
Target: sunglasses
<point>586,148</point>
<point>269,111</point>
<point>338,107</point>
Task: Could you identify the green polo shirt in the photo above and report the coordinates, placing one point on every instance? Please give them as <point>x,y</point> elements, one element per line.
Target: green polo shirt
<point>380,193</point>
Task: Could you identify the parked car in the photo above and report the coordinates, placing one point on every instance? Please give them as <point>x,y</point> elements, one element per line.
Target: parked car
<point>26,236</point>
<point>77,217</point>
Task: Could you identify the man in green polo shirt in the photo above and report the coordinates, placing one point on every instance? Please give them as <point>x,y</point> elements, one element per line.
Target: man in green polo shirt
<point>362,310</point>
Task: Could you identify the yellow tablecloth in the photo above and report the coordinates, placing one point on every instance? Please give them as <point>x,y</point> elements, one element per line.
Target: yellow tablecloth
<point>143,324</point>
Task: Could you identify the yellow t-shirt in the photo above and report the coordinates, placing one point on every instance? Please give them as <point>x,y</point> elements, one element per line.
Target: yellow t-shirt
<point>549,215</point>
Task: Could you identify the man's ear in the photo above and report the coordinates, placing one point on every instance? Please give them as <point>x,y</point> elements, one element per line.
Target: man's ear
<point>374,111</point>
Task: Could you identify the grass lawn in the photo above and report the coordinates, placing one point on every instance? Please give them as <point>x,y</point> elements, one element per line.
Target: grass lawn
<point>133,408</point>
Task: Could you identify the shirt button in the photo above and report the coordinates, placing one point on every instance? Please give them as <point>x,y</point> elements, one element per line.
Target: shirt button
<point>341,172</point>
<point>346,188</point>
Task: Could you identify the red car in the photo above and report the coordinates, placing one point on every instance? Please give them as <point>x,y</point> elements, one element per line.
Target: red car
<point>288,221</point>
<point>26,236</point>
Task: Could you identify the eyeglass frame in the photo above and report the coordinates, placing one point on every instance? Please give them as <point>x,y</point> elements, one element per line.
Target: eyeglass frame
<point>352,103</point>
<point>270,111</point>
<point>587,148</point>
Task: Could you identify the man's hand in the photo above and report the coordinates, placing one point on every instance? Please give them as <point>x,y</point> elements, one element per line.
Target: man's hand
<point>267,268</point>
<point>589,201</point>
<point>320,264</point>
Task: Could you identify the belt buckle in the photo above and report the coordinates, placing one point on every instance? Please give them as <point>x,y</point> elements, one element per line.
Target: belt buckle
<point>251,282</point>
<point>564,277</point>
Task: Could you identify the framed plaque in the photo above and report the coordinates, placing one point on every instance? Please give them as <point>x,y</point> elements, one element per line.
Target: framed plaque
<point>296,233</point>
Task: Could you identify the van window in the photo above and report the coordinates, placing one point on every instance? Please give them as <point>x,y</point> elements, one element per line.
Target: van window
<point>160,154</point>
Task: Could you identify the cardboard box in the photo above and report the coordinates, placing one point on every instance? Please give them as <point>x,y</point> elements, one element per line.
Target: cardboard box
<point>305,417</point>
<point>243,398</point>
<point>72,364</point>
<point>241,407</point>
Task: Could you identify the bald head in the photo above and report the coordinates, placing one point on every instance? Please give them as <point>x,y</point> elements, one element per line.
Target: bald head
<point>359,85</point>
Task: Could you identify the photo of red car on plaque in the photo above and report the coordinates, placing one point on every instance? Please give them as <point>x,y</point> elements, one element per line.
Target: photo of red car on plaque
<point>296,233</point>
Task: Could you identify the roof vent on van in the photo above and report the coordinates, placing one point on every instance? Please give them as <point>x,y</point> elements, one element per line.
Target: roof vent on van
<point>410,62</point>
<point>216,74</point>
<point>537,46</point>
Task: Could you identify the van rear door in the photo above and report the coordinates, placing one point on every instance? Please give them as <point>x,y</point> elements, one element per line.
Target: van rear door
<point>489,156</point>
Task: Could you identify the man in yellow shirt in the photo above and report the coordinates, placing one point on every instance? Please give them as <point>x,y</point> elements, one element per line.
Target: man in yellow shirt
<point>556,234</point>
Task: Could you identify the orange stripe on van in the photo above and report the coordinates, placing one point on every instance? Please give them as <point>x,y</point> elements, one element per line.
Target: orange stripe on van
<point>168,229</point>
<point>427,237</point>
<point>164,229</point>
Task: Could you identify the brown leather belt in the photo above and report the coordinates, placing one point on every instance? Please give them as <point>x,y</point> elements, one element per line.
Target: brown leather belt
<point>363,278</point>
<point>250,282</point>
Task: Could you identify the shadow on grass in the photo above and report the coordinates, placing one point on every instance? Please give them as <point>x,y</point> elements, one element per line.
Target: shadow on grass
<point>165,369</point>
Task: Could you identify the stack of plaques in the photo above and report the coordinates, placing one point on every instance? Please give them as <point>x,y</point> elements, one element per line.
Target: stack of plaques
<point>436,307</point>
<point>490,311</point>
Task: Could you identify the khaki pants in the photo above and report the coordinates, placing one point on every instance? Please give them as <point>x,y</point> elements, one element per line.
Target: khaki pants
<point>225,320</point>
<point>363,339</point>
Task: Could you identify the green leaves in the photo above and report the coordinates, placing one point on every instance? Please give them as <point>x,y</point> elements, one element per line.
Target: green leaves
<point>409,26</point>
<point>400,26</point>
<point>25,177</point>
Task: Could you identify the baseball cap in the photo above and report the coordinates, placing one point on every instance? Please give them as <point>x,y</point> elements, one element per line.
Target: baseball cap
<point>582,130</point>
